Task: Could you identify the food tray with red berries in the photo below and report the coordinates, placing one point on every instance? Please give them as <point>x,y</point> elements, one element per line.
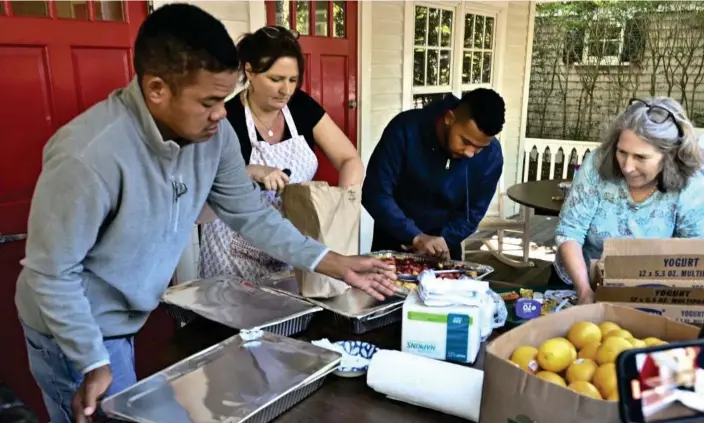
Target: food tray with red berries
<point>409,266</point>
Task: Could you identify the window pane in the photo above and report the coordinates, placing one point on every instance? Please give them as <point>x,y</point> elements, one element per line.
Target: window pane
<point>468,30</point>
<point>612,33</point>
<point>611,48</point>
<point>108,11</point>
<point>421,25</point>
<point>595,48</point>
<point>419,67</point>
<point>445,66</point>
<point>283,14</point>
<point>486,68</point>
<point>339,12</point>
<point>467,68</point>
<point>476,68</point>
<point>29,8</point>
<point>489,33</point>
<point>432,68</point>
<point>434,27</point>
<point>422,100</point>
<point>446,28</point>
<point>321,18</point>
<point>71,9</point>
<point>303,17</point>
<point>478,31</point>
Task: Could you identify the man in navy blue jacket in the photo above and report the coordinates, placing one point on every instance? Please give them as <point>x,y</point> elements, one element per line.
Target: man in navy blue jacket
<point>432,176</point>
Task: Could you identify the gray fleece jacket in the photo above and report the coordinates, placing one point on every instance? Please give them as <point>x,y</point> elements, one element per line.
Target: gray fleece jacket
<point>111,214</point>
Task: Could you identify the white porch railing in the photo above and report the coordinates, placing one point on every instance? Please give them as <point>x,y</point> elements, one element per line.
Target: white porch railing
<point>543,156</point>
<point>553,159</point>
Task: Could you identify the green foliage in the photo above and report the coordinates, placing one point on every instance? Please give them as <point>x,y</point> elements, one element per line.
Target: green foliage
<point>591,57</point>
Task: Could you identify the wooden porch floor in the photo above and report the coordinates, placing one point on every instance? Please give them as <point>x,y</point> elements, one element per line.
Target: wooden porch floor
<point>542,253</point>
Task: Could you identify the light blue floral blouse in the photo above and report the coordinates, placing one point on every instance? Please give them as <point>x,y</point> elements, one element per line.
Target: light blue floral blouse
<point>596,209</point>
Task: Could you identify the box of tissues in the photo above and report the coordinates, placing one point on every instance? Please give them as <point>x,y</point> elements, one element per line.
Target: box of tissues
<point>451,333</point>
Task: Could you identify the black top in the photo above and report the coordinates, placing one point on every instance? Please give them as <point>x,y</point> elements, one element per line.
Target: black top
<point>305,111</point>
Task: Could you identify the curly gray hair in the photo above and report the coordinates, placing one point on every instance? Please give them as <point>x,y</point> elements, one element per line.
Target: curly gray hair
<point>682,157</point>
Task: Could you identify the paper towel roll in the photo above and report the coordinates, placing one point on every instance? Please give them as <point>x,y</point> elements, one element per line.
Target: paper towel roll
<point>441,386</point>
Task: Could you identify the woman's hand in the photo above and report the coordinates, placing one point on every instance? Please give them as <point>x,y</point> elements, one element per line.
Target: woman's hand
<point>585,295</point>
<point>272,178</point>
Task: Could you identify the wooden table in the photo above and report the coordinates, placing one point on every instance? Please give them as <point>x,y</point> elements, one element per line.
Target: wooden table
<point>340,400</point>
<point>538,195</point>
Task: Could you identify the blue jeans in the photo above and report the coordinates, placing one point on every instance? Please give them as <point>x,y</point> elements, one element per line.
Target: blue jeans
<point>59,379</point>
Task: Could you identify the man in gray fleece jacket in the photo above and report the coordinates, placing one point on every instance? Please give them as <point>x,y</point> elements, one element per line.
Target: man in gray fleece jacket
<point>121,186</point>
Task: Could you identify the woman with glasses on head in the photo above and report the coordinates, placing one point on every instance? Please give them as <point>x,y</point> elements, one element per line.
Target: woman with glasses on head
<point>644,181</point>
<point>278,126</point>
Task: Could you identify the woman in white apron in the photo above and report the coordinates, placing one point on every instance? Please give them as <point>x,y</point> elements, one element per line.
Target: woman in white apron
<point>278,125</point>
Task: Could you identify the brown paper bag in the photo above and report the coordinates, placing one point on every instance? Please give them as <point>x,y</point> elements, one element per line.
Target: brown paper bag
<point>513,395</point>
<point>329,215</point>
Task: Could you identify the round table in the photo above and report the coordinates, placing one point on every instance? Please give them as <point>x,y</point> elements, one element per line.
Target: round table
<point>538,195</point>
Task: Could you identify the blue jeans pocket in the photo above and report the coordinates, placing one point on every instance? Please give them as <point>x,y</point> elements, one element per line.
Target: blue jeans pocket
<point>53,373</point>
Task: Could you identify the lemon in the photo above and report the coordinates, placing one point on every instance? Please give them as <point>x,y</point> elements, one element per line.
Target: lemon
<point>581,369</point>
<point>551,377</point>
<point>619,333</point>
<point>524,357</point>
<point>610,349</point>
<point>607,327</point>
<point>637,343</point>
<point>651,342</point>
<point>573,350</point>
<point>589,351</point>
<point>555,355</point>
<point>585,388</point>
<point>583,333</point>
<point>605,379</point>
<point>613,396</point>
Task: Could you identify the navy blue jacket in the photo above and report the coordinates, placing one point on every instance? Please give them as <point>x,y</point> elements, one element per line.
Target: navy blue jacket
<point>408,190</point>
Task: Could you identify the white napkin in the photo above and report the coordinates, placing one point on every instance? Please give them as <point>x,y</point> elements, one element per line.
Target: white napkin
<point>438,385</point>
<point>438,292</point>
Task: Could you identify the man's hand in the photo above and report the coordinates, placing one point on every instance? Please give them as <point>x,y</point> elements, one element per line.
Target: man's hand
<point>85,401</point>
<point>372,276</point>
<point>431,246</point>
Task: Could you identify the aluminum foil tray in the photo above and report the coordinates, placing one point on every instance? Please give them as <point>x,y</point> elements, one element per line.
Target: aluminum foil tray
<point>482,270</point>
<point>360,326</point>
<point>355,309</point>
<point>240,306</point>
<point>286,402</point>
<point>252,377</point>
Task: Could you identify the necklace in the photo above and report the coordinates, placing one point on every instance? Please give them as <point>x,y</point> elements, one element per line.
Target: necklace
<point>648,195</point>
<point>270,128</point>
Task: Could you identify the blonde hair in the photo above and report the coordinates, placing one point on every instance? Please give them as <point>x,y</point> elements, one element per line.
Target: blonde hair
<point>682,156</point>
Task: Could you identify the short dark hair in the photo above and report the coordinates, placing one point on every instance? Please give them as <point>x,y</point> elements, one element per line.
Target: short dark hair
<point>486,108</point>
<point>262,48</point>
<point>180,39</point>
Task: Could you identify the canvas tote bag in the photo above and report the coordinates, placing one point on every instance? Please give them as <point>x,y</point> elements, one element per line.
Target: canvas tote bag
<point>329,215</point>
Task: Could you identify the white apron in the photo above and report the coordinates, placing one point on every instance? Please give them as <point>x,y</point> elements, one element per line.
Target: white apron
<point>225,252</point>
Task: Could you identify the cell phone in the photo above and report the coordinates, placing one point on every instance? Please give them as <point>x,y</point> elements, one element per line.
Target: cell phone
<point>663,383</point>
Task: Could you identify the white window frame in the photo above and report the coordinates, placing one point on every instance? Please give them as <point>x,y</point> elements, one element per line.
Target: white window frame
<point>588,59</point>
<point>497,10</point>
<point>434,89</point>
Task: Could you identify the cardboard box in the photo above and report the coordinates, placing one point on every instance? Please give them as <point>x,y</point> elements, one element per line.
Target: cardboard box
<point>513,395</point>
<point>658,276</point>
<point>657,260</point>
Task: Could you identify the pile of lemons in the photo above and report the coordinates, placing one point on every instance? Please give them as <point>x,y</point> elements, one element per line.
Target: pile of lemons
<point>584,361</point>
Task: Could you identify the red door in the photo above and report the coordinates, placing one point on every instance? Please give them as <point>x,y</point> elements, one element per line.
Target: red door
<point>329,40</point>
<point>56,60</point>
